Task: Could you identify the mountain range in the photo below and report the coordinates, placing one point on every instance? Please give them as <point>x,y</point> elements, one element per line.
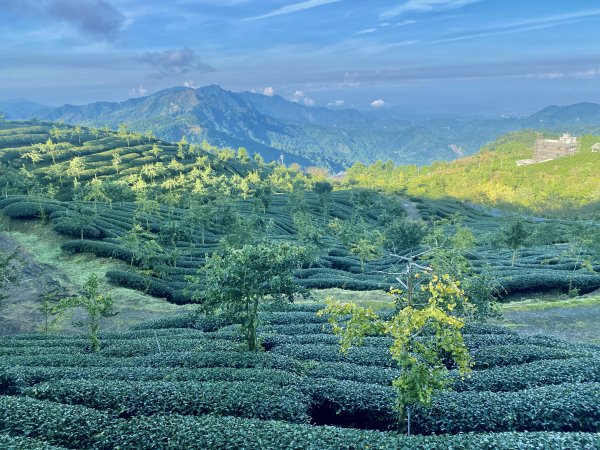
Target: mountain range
<point>273,126</point>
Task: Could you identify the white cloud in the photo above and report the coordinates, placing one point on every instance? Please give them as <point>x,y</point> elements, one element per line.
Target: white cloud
<point>377,103</point>
<point>140,91</point>
<point>336,103</point>
<point>295,7</point>
<point>301,97</point>
<point>587,74</point>
<point>268,91</point>
<point>424,6</point>
<point>190,84</point>
<point>367,31</point>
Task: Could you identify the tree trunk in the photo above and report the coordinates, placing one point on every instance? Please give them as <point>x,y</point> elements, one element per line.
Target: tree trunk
<point>251,331</point>
<point>94,336</point>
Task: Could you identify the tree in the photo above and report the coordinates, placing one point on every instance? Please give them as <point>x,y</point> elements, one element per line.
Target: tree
<point>9,271</point>
<point>80,214</point>
<point>124,133</point>
<point>426,340</point>
<point>181,147</point>
<point>96,305</point>
<point>243,156</point>
<point>361,239</point>
<point>49,302</point>
<point>323,189</point>
<point>76,168</point>
<point>239,280</point>
<point>156,151</point>
<point>515,236</point>
<point>94,192</point>
<point>56,133</point>
<point>116,161</point>
<point>2,117</point>
<point>76,131</point>
<point>33,154</point>
<point>404,234</point>
<point>308,232</point>
<point>199,215</point>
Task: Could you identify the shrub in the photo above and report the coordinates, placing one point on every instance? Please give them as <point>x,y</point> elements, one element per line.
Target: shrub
<point>99,248</point>
<point>506,355</point>
<point>207,324</point>
<point>70,426</point>
<point>533,374</point>
<point>72,229</point>
<point>14,380</point>
<point>24,443</point>
<point>178,432</point>
<point>128,398</point>
<point>565,407</point>
<point>30,210</point>
<point>150,285</point>
<point>368,356</point>
<point>351,372</point>
<point>352,404</point>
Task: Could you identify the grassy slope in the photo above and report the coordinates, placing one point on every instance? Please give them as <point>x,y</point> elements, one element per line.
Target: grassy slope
<point>492,176</point>
<point>41,246</point>
<point>567,318</point>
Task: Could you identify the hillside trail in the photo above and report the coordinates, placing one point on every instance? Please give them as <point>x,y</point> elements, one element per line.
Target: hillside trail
<point>20,310</point>
<point>411,209</point>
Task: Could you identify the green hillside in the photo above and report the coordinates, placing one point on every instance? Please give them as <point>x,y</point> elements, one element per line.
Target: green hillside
<point>567,186</point>
<point>164,207</point>
<point>150,216</point>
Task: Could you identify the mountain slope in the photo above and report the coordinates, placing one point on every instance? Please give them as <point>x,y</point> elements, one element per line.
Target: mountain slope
<point>271,125</point>
<point>311,135</point>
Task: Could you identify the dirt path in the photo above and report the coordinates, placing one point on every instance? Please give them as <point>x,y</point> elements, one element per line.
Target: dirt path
<point>411,209</point>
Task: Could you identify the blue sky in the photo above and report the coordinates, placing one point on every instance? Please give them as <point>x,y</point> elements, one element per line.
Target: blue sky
<point>412,56</point>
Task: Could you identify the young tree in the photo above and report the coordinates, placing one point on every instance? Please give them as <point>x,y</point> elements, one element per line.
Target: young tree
<point>116,162</point>
<point>404,234</point>
<point>49,302</point>
<point>239,280</point>
<point>362,240</point>
<point>96,305</point>
<point>76,131</point>
<point>181,145</point>
<point>323,189</point>
<point>425,363</point>
<point>10,264</point>
<point>124,133</point>
<point>514,237</point>
<point>156,151</point>
<point>76,168</point>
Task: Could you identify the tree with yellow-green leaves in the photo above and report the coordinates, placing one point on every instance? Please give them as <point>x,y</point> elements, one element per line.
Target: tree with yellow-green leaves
<point>427,342</point>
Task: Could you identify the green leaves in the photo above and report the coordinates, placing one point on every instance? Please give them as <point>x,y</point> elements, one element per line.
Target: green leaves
<point>96,305</point>
<point>239,279</point>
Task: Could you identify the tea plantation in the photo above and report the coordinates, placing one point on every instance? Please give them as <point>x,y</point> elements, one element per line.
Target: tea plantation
<point>160,210</point>
<point>183,382</point>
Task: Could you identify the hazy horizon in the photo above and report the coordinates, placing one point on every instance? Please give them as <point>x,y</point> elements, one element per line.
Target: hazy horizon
<point>415,57</point>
